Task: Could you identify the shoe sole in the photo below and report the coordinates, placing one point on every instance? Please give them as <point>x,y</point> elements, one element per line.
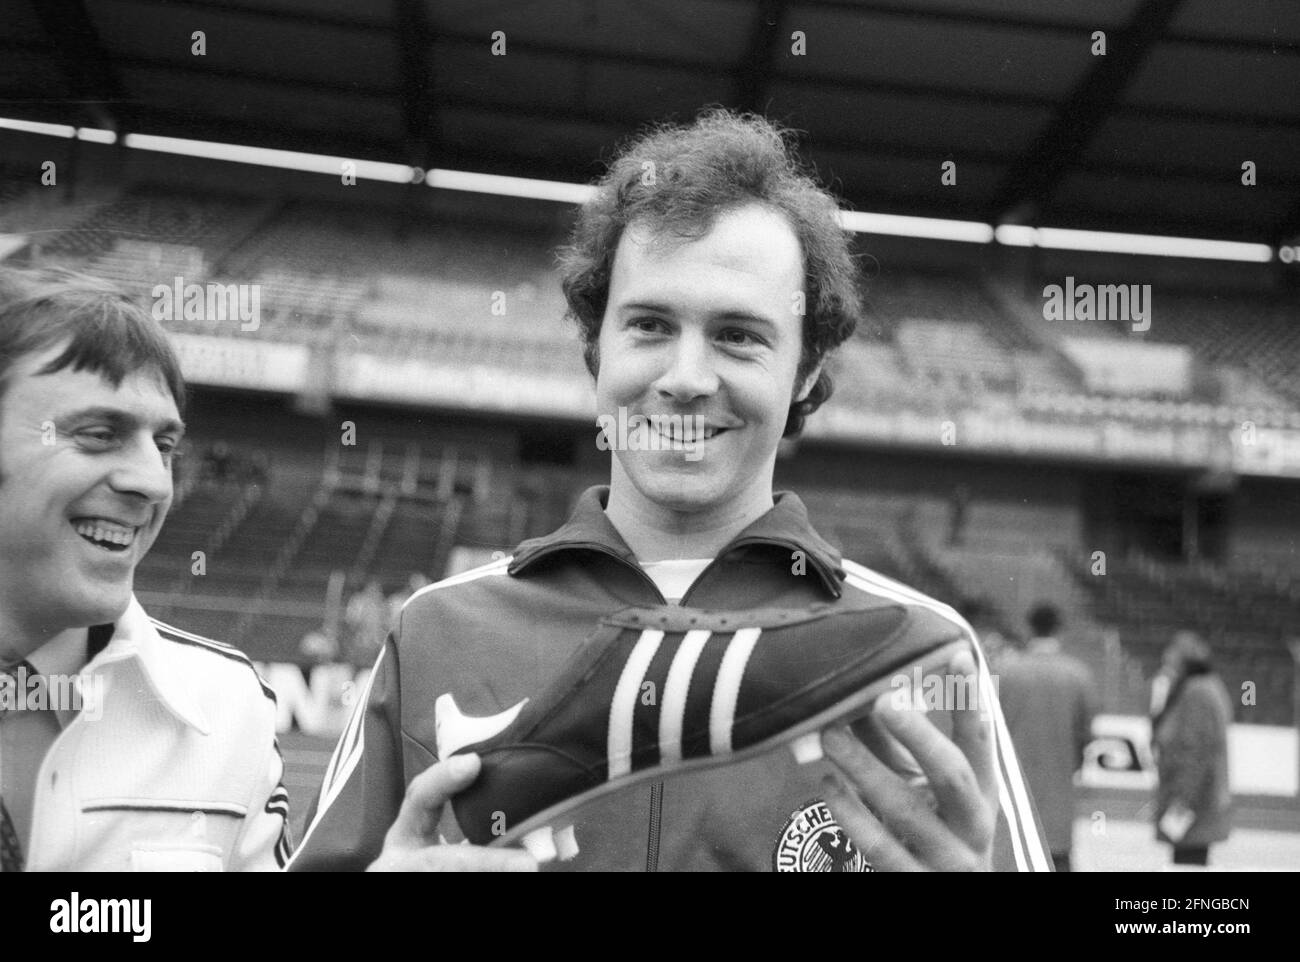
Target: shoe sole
<point>848,709</point>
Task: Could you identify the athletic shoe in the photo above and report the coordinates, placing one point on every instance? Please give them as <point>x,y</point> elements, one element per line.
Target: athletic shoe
<point>661,690</point>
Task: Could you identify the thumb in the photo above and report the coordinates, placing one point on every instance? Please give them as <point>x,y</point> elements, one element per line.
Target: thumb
<point>417,822</point>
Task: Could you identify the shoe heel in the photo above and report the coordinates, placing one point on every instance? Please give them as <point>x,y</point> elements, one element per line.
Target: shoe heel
<point>540,843</point>
<point>807,748</point>
<point>566,844</point>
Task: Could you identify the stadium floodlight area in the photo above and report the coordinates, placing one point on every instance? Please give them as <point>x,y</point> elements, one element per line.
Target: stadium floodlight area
<point>94,135</point>
<point>271,157</point>
<point>896,225</point>
<point>1016,235</point>
<point>34,127</point>
<point>1108,242</point>
<point>502,186</point>
<point>931,228</point>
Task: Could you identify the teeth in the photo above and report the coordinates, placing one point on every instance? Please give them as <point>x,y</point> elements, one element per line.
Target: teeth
<point>106,531</point>
<point>691,438</point>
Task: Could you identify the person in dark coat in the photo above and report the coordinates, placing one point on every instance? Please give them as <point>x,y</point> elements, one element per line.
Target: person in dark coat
<point>1049,700</point>
<point>1191,711</point>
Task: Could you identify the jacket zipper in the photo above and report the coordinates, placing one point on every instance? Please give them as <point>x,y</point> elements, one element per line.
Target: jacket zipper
<point>656,817</point>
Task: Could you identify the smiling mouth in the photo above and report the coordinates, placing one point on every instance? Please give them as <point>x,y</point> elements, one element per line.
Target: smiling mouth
<point>691,437</point>
<point>102,533</point>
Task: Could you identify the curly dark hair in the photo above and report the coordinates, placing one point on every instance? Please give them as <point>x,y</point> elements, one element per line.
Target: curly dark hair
<point>722,161</point>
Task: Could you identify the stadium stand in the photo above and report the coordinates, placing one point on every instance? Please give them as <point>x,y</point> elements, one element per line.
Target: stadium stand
<point>1240,332</point>
<point>288,528</point>
<point>1246,624</point>
<point>158,219</point>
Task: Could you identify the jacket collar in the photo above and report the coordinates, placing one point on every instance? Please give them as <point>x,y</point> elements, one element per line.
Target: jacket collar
<point>133,637</point>
<point>786,526</point>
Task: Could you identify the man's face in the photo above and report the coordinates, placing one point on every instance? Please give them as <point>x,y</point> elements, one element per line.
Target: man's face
<point>85,483</point>
<point>708,327</point>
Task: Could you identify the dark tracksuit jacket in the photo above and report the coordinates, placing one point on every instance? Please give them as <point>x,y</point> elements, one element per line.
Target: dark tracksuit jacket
<point>503,632</point>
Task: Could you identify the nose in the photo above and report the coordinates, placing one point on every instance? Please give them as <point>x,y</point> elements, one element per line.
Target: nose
<point>690,372</point>
<point>143,471</point>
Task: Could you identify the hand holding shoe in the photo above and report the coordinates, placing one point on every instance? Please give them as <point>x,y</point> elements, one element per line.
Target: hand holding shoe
<point>412,843</point>
<point>906,833</point>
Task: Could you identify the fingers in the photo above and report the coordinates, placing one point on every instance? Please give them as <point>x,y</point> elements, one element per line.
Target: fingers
<point>885,746</point>
<point>474,858</point>
<point>901,809</point>
<point>417,822</point>
<point>453,858</point>
<point>412,843</point>
<point>972,727</point>
<point>962,804</point>
<point>877,846</point>
<point>952,833</point>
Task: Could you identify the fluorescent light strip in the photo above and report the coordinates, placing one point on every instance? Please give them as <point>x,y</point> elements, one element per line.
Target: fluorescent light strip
<point>510,186</point>
<point>94,135</point>
<point>1153,244</point>
<point>90,134</point>
<point>967,231</point>
<point>269,157</point>
<point>33,127</point>
<point>897,225</point>
<point>1014,235</point>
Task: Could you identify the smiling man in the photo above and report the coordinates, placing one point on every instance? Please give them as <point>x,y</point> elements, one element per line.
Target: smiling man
<point>706,332</point>
<point>710,281</point>
<point>160,752</point>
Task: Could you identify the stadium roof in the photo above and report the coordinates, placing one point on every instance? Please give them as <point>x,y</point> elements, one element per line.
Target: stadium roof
<point>1151,137</point>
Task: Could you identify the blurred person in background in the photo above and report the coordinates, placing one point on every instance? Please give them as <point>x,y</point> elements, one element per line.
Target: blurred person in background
<point>1049,700</point>
<point>365,623</point>
<point>959,508</point>
<point>1190,714</point>
<point>983,619</point>
<point>217,461</point>
<point>317,647</point>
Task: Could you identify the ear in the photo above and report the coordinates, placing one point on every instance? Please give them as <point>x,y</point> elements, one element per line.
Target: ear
<point>809,382</point>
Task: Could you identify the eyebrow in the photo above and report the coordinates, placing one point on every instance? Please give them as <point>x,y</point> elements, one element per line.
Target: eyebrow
<point>120,419</point>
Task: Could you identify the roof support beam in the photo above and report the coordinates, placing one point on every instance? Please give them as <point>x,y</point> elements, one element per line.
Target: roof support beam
<point>758,62</point>
<point>413,35</point>
<point>1031,181</point>
<point>81,57</point>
